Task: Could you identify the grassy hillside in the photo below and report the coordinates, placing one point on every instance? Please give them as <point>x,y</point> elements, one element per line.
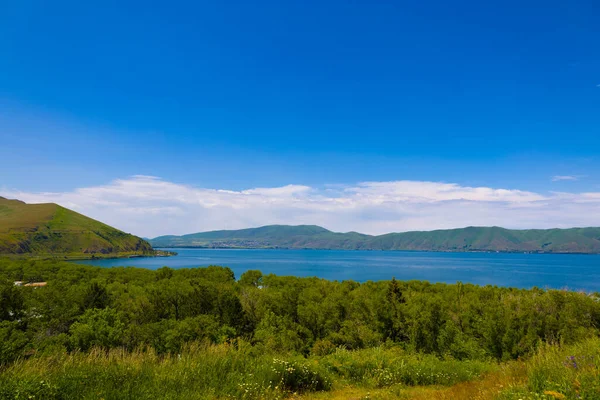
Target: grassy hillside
<point>52,230</point>
<point>575,240</point>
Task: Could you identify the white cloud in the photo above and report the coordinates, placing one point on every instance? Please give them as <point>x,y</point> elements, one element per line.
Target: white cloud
<point>557,178</point>
<point>150,206</point>
<point>417,191</point>
<point>288,190</point>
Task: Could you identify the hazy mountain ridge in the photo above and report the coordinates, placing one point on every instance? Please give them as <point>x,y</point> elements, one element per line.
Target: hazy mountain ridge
<point>49,229</point>
<point>573,240</point>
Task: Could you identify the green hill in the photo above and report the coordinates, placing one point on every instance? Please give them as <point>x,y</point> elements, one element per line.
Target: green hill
<point>272,236</point>
<point>575,240</point>
<point>52,230</point>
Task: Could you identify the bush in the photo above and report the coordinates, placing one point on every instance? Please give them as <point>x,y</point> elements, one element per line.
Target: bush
<point>294,376</point>
<point>98,328</point>
<point>322,348</point>
<point>379,367</point>
<point>13,341</point>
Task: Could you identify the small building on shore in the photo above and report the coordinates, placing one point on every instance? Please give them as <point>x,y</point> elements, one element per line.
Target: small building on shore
<point>36,284</point>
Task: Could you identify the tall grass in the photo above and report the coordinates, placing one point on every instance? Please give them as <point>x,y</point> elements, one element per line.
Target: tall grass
<point>221,371</point>
<point>381,367</point>
<point>200,372</point>
<point>562,372</point>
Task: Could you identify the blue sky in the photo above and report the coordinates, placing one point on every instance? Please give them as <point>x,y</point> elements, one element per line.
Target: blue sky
<point>243,95</point>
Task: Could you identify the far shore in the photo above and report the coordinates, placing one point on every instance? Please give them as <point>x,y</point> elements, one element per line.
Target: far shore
<point>95,256</point>
<point>406,250</point>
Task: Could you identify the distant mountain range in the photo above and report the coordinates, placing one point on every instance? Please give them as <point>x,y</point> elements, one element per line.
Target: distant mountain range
<point>574,240</point>
<point>52,230</point>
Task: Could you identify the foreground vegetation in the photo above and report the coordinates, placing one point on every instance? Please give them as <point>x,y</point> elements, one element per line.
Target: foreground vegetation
<point>238,370</point>
<point>198,333</point>
<point>227,370</point>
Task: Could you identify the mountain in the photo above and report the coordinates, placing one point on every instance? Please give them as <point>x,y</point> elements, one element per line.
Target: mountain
<point>575,240</point>
<point>272,236</point>
<point>52,230</point>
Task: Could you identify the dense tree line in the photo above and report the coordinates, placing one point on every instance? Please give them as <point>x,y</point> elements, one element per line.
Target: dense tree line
<point>83,307</point>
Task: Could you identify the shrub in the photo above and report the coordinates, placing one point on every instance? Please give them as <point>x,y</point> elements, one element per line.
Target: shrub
<point>379,367</point>
<point>297,376</point>
<point>101,328</point>
<point>13,341</point>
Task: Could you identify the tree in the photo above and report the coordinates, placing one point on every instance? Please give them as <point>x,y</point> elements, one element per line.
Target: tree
<point>96,296</point>
<point>12,341</point>
<point>164,273</point>
<point>98,328</point>
<point>395,319</point>
<point>251,278</point>
<point>12,303</point>
<point>279,334</point>
<point>169,297</point>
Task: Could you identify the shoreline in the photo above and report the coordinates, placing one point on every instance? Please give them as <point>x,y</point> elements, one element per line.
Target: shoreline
<point>83,257</point>
<point>379,250</point>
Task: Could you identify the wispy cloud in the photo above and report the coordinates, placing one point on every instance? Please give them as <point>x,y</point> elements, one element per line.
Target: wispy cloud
<point>150,206</point>
<point>557,178</point>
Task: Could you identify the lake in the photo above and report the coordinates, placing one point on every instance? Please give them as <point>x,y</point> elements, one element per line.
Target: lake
<point>572,271</point>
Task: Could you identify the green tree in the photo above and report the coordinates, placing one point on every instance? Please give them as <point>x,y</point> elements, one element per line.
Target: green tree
<point>170,297</point>
<point>103,328</point>
<point>12,303</point>
<point>13,341</point>
<point>251,278</point>
<point>395,314</point>
<point>96,296</point>
<point>281,335</point>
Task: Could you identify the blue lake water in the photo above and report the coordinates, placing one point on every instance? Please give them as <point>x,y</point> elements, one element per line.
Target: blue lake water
<point>572,271</point>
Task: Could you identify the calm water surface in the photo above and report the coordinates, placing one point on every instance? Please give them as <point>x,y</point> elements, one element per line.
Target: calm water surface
<point>571,271</point>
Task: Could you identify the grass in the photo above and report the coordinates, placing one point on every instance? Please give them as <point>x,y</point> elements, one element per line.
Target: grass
<point>238,370</point>
<point>224,371</point>
<point>487,387</point>
<point>554,372</point>
<point>201,372</point>
<point>379,367</point>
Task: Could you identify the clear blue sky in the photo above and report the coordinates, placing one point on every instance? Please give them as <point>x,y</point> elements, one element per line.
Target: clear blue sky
<point>268,93</point>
